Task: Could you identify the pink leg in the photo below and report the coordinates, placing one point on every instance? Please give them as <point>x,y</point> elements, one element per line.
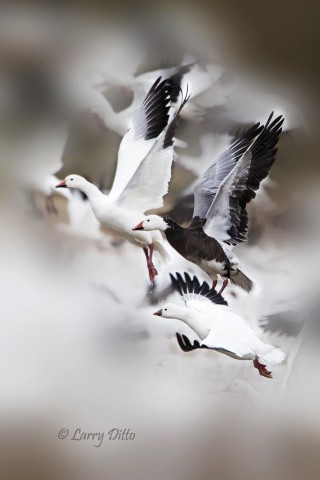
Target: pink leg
<point>225,283</point>
<point>152,267</point>
<point>214,284</point>
<point>262,368</point>
<point>151,270</point>
<point>145,250</point>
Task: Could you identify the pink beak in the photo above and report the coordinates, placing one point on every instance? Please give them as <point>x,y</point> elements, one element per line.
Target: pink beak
<point>158,313</point>
<point>62,184</point>
<point>139,226</point>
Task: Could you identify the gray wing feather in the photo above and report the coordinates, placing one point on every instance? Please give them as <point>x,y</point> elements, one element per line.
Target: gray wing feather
<point>227,217</point>
<point>219,215</point>
<point>208,185</point>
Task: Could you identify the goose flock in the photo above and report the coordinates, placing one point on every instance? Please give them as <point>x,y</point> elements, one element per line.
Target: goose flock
<point>219,221</point>
<point>155,222</point>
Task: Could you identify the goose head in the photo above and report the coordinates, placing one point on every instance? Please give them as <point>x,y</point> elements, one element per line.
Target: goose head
<point>186,315</point>
<point>170,310</point>
<point>73,181</point>
<point>152,222</point>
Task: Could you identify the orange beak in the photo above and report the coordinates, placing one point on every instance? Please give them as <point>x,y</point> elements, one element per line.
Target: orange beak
<point>139,226</point>
<point>158,313</point>
<point>62,184</point>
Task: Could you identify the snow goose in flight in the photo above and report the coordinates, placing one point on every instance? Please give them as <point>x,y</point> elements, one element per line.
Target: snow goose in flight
<point>191,75</point>
<point>207,313</point>
<point>82,96</point>
<point>142,176</point>
<point>220,218</point>
<point>36,159</point>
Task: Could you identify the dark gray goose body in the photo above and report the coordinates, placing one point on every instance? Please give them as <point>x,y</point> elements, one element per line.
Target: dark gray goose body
<point>197,247</point>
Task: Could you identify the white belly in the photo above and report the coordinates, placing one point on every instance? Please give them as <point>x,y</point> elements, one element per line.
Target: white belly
<point>212,267</point>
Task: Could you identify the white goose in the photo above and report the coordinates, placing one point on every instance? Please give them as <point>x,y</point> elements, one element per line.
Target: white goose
<point>81,95</point>
<point>143,173</point>
<point>37,158</point>
<point>208,315</point>
<point>193,76</point>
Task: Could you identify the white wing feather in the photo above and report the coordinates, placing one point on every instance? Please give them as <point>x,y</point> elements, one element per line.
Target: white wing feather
<point>149,184</point>
<point>218,217</point>
<point>134,147</point>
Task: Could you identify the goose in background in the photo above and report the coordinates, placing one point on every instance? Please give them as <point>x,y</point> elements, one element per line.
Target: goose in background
<point>81,221</point>
<point>195,77</point>
<point>207,313</point>
<point>82,96</point>
<point>37,159</point>
<point>110,59</point>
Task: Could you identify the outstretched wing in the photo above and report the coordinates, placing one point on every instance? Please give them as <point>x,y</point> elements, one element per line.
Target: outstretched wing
<point>176,77</point>
<point>209,183</point>
<point>186,345</point>
<point>147,187</point>
<point>227,217</point>
<point>194,293</point>
<point>148,122</point>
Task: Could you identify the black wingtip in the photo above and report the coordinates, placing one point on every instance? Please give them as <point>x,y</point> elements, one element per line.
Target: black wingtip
<point>263,150</point>
<point>173,125</point>
<point>269,119</point>
<point>156,106</point>
<point>275,123</point>
<point>187,285</point>
<point>185,344</point>
<point>174,81</point>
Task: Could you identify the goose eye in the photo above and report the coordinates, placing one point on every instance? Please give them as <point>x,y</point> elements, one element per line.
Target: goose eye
<point>148,220</point>
<point>165,309</point>
<point>71,179</point>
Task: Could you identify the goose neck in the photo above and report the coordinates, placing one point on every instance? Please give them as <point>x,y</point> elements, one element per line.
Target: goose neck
<point>92,192</point>
<point>193,321</point>
<point>172,225</point>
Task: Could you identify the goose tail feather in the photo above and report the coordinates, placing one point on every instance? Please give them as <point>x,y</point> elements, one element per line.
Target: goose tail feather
<point>241,280</point>
<point>274,356</point>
